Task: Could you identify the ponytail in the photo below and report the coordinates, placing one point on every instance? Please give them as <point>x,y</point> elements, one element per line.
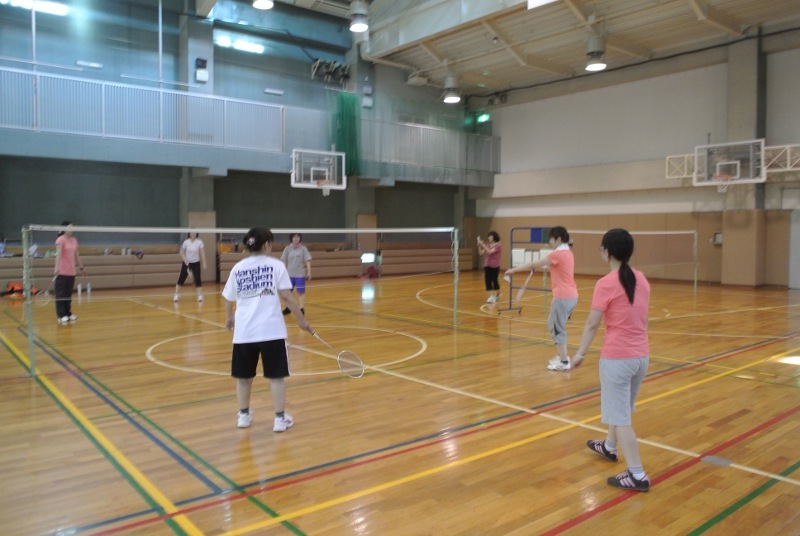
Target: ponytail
<point>628,280</point>
<point>619,244</point>
<point>256,237</point>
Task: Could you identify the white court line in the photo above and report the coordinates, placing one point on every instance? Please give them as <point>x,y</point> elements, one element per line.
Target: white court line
<point>484,308</point>
<point>577,424</point>
<point>149,353</point>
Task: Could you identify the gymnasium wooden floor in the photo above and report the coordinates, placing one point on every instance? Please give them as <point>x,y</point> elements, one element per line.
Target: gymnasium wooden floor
<point>130,426</point>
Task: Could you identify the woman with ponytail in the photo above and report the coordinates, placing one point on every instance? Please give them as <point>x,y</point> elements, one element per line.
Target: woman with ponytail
<point>621,300</point>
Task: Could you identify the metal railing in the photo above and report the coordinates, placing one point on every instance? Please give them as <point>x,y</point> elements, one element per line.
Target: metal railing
<point>44,102</point>
<point>51,103</point>
<point>421,145</point>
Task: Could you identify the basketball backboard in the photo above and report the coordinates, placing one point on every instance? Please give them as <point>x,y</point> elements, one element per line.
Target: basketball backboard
<point>323,170</point>
<point>729,163</point>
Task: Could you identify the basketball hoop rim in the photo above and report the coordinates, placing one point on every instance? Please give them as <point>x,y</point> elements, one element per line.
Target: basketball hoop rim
<point>325,186</point>
<point>722,182</point>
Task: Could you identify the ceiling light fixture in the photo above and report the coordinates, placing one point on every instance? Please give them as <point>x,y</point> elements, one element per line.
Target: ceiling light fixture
<point>263,4</point>
<point>532,4</point>
<point>89,64</point>
<point>452,95</point>
<point>358,16</point>
<point>42,6</point>
<point>595,52</point>
<point>247,46</point>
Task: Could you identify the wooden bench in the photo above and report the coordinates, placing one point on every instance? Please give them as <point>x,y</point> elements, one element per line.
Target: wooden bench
<point>105,271</point>
<point>423,260</point>
<point>324,264</point>
<point>160,264</point>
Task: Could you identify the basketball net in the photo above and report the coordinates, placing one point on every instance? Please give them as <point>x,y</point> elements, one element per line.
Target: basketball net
<point>722,182</point>
<point>325,186</point>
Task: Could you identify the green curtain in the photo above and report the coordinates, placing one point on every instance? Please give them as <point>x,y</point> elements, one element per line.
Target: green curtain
<point>346,123</point>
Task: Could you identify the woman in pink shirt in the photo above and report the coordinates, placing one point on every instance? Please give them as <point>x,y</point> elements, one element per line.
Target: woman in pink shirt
<point>621,299</point>
<point>491,264</point>
<point>561,264</point>
<point>66,258</point>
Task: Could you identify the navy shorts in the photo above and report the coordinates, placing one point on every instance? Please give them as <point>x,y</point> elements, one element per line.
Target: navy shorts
<point>298,284</point>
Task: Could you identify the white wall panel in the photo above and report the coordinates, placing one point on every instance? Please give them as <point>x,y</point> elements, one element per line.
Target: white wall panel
<point>641,120</point>
<point>783,85</point>
<point>662,202</point>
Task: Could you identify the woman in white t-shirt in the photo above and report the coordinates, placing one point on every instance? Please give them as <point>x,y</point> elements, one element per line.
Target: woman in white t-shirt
<point>193,255</point>
<point>254,286</point>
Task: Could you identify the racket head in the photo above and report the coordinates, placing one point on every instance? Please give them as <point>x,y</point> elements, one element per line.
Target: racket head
<point>46,296</point>
<point>350,364</point>
<point>524,286</point>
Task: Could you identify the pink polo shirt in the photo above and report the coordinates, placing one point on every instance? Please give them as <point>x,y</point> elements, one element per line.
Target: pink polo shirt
<point>626,323</point>
<point>562,274</point>
<point>492,260</point>
<point>69,246</point>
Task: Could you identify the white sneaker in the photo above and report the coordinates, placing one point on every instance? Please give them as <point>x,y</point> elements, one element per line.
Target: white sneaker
<point>244,419</point>
<point>176,298</point>
<point>63,320</point>
<point>73,318</point>
<point>200,298</point>
<point>490,299</point>
<point>283,423</point>
<point>557,364</point>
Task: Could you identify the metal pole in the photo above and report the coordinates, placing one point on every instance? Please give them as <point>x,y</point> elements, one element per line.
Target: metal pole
<point>455,276</point>
<point>26,283</point>
<point>160,73</point>
<point>695,264</point>
<point>160,43</point>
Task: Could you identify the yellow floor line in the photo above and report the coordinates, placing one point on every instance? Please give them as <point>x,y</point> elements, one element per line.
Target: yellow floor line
<point>573,424</point>
<point>137,475</point>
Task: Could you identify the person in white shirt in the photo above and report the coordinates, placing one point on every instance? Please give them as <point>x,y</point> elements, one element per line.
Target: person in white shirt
<point>255,286</point>
<point>193,255</point>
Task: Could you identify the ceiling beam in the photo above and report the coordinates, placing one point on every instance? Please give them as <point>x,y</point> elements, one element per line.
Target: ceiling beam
<point>484,81</point>
<point>548,66</point>
<point>626,47</point>
<point>714,17</point>
<point>463,76</point>
<point>433,53</point>
<point>338,8</point>
<point>522,59</point>
<point>204,7</point>
<point>579,10</point>
<point>504,40</point>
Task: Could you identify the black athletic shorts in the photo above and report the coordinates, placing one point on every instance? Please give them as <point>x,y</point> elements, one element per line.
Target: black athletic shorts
<point>274,359</point>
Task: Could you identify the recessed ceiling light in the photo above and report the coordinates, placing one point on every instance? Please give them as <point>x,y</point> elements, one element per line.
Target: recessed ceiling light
<point>263,4</point>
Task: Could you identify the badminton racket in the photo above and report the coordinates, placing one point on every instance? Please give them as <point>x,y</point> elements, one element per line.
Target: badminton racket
<point>46,296</point>
<point>521,290</point>
<point>349,363</point>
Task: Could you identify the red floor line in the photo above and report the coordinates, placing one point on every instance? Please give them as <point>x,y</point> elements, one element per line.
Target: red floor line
<point>396,453</point>
<point>669,474</point>
<point>327,472</point>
